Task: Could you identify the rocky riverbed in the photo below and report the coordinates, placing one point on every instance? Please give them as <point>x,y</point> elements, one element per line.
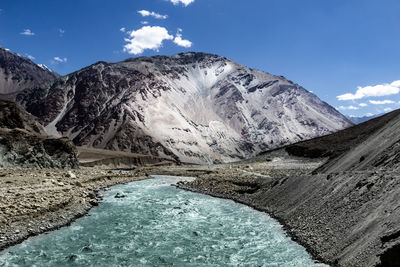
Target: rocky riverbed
<point>343,219</point>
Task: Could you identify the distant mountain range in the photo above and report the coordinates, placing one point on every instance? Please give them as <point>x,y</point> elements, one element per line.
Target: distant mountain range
<point>358,120</point>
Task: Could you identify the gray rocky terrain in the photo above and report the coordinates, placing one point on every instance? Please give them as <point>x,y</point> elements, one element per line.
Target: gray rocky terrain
<point>24,143</point>
<point>18,73</point>
<point>347,213</point>
<point>191,107</point>
<point>108,159</point>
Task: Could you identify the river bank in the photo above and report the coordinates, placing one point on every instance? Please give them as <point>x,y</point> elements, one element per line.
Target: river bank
<point>151,223</point>
<point>343,219</point>
<point>34,201</point>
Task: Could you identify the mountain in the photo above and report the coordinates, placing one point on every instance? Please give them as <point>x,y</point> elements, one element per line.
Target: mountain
<point>24,143</point>
<point>18,73</point>
<point>337,145</point>
<point>358,120</point>
<point>348,211</point>
<point>190,107</point>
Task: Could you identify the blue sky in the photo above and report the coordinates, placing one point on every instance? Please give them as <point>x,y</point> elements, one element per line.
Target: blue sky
<point>332,48</point>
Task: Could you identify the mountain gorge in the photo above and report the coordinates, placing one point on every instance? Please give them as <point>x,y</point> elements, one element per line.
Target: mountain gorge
<point>190,107</point>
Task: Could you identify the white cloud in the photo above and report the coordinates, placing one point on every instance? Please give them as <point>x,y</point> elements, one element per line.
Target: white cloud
<point>144,22</point>
<point>123,29</point>
<point>30,56</point>
<point>377,90</point>
<point>184,2</point>
<point>363,104</point>
<point>153,14</point>
<point>181,42</point>
<point>347,108</point>
<point>27,32</point>
<point>147,37</point>
<point>60,60</point>
<point>382,102</point>
<point>61,32</point>
<point>387,109</point>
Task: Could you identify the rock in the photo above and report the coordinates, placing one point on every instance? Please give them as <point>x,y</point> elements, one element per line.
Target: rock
<point>70,174</point>
<point>118,195</point>
<point>91,195</point>
<point>93,202</point>
<point>72,258</point>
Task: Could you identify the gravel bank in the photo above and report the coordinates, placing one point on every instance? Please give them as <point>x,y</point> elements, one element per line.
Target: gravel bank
<point>343,219</point>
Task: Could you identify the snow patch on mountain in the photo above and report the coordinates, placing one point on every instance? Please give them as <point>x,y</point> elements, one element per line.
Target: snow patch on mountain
<point>44,67</point>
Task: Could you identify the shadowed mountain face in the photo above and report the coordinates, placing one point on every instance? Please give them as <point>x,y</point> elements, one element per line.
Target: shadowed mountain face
<point>369,145</point>
<point>24,143</point>
<point>18,73</point>
<point>356,195</point>
<point>191,107</point>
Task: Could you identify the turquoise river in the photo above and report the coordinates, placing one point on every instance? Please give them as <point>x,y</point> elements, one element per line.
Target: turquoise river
<point>156,224</point>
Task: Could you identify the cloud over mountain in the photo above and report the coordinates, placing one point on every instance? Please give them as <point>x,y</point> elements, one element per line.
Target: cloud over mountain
<point>147,37</point>
<point>370,91</point>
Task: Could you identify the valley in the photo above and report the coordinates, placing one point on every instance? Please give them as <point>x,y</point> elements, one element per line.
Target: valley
<point>242,134</point>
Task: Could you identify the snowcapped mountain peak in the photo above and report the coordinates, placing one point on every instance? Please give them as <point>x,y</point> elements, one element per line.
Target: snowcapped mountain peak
<point>44,67</point>
<point>193,107</point>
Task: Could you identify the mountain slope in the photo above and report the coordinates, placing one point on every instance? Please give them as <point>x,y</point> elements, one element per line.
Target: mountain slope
<point>18,73</point>
<point>339,145</point>
<point>355,195</point>
<point>192,107</point>
<point>347,213</point>
<point>24,143</point>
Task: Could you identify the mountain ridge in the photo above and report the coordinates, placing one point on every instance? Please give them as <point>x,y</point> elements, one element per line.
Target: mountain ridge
<point>192,107</point>
<point>18,73</point>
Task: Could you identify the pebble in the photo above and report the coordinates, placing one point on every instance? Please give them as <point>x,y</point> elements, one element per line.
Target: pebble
<point>70,174</point>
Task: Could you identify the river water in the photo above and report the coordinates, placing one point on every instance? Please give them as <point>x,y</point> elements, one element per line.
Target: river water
<point>155,224</point>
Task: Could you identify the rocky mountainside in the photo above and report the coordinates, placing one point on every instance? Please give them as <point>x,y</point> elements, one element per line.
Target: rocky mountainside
<point>349,210</point>
<point>337,145</point>
<point>192,107</point>
<point>24,143</point>
<point>18,73</point>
